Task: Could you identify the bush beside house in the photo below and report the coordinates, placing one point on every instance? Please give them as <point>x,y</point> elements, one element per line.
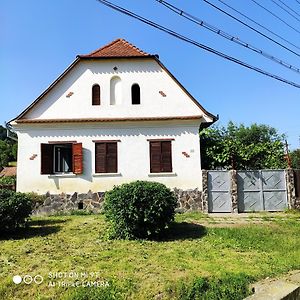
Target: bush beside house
<point>139,209</point>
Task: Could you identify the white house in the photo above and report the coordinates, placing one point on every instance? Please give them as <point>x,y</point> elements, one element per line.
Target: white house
<point>113,116</point>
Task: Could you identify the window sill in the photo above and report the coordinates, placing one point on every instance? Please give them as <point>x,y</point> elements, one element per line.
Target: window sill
<point>107,175</point>
<point>163,174</point>
<point>62,175</point>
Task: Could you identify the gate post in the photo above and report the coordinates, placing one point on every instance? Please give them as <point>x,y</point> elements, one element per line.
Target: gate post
<point>205,191</point>
<point>290,186</point>
<point>233,191</point>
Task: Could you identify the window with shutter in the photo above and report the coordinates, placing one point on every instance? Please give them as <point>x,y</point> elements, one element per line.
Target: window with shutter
<point>160,156</point>
<point>64,157</point>
<point>96,94</point>
<point>47,159</point>
<point>106,157</point>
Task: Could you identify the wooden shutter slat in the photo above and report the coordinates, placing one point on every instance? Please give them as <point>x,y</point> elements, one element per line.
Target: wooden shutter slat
<point>111,158</point>
<point>166,156</point>
<point>155,154</point>
<point>77,161</point>
<point>100,157</point>
<point>46,159</point>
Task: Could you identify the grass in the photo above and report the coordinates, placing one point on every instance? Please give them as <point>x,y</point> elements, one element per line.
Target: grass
<point>190,257</point>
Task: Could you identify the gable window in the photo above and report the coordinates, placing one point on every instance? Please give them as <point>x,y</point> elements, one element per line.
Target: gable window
<point>160,156</point>
<point>61,157</point>
<point>106,157</point>
<point>96,94</point>
<point>135,94</point>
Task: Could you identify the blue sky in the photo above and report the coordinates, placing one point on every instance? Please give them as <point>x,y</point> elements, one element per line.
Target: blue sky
<point>39,39</point>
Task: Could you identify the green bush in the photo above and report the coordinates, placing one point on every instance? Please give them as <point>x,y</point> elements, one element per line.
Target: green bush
<point>140,209</point>
<point>7,180</point>
<point>15,209</point>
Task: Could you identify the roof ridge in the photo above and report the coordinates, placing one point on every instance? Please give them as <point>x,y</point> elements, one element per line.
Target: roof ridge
<point>101,52</point>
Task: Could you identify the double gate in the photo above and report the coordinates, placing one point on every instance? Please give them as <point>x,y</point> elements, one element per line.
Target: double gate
<point>262,190</point>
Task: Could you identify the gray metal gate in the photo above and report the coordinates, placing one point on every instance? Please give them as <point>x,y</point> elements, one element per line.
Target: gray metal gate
<point>263,190</point>
<point>219,199</point>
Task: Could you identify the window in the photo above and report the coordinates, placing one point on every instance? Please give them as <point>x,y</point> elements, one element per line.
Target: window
<point>115,90</point>
<point>61,158</point>
<point>106,157</point>
<point>160,156</point>
<point>96,94</point>
<point>135,94</point>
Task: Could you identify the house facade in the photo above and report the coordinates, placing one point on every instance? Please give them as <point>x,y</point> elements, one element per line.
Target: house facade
<point>113,116</point>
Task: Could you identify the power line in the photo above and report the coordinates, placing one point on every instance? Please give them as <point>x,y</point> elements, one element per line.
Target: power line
<point>274,15</point>
<point>195,43</point>
<point>289,7</point>
<point>284,9</point>
<point>226,35</point>
<point>265,28</point>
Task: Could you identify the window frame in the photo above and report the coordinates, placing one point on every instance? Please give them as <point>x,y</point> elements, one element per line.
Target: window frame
<point>48,158</point>
<point>109,158</point>
<point>164,163</point>
<point>96,95</point>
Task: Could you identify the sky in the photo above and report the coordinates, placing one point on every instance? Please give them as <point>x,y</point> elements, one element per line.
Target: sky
<point>39,39</point>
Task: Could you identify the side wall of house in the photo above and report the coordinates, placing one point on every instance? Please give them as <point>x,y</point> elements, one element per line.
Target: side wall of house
<point>133,155</point>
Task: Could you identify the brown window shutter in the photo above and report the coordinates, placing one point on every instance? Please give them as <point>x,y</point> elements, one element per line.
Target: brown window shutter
<point>46,159</point>
<point>96,94</point>
<point>155,154</point>
<point>111,158</point>
<point>166,156</point>
<point>77,158</point>
<point>100,157</point>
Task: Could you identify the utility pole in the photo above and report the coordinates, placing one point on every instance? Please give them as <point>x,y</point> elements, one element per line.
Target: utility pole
<point>288,158</point>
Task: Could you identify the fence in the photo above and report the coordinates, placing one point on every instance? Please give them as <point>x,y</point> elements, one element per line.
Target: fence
<point>247,191</point>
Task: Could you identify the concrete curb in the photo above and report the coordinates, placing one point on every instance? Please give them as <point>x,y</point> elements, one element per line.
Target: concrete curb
<point>285,288</point>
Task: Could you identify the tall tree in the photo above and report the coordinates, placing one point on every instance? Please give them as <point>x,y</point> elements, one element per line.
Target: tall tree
<point>295,159</point>
<point>241,147</point>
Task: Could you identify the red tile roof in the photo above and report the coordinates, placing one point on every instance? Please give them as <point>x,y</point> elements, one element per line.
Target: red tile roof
<point>117,48</point>
<point>8,171</point>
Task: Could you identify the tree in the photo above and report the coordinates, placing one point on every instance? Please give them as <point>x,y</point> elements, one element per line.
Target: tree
<point>295,159</point>
<point>8,148</point>
<point>241,147</point>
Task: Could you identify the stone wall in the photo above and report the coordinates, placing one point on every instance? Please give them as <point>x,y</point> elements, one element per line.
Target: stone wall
<point>188,200</point>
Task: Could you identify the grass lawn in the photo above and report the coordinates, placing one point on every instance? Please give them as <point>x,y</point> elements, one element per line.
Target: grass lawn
<point>196,246</point>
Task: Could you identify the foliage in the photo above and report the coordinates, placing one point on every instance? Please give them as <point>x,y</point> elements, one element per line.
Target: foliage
<point>15,209</point>
<point>139,209</point>
<point>8,148</point>
<point>295,159</point>
<point>228,287</point>
<point>241,147</point>
<point>7,180</point>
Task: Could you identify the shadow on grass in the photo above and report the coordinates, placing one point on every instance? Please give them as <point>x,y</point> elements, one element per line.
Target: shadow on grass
<point>45,222</point>
<point>182,231</point>
<point>35,228</point>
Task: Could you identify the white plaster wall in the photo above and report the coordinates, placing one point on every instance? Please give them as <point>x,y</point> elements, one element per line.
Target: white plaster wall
<point>133,155</point>
<point>147,73</point>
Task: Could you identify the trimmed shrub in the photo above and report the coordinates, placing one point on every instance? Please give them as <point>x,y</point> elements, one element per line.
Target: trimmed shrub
<point>15,209</point>
<point>139,209</point>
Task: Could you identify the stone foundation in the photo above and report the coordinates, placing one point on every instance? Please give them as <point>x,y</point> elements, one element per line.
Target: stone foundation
<point>188,200</point>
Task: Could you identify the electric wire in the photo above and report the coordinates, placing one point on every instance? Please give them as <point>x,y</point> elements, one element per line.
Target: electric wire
<point>250,27</point>
<point>284,9</point>
<point>289,7</point>
<point>226,35</point>
<point>274,15</point>
<point>265,28</point>
<point>195,43</point>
